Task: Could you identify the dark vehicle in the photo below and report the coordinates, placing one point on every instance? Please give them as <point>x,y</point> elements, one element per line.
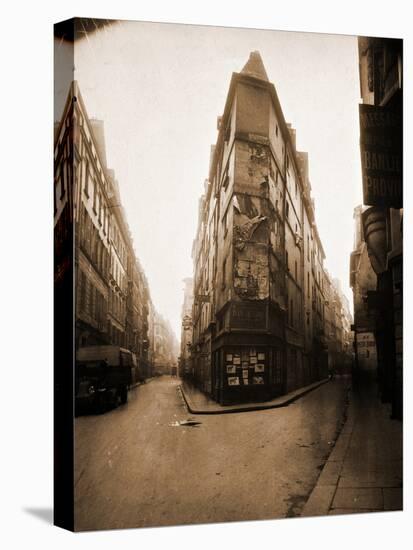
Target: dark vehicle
<point>103,376</point>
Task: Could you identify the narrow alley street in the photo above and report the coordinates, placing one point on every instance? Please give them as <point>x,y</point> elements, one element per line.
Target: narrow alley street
<point>136,466</point>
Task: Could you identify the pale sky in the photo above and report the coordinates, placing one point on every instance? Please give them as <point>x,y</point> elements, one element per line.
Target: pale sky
<point>159,89</point>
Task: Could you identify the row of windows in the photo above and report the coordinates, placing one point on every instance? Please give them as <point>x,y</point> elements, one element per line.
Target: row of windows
<point>118,274</point>
<point>117,305</point>
<point>91,301</point>
<point>116,336</point>
<point>92,243</point>
<point>293,319</point>
<point>98,205</point>
<point>118,242</point>
<point>63,182</point>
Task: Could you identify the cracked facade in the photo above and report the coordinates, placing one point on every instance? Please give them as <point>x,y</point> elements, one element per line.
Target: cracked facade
<point>266,317</point>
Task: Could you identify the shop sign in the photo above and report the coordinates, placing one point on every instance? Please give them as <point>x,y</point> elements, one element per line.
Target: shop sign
<point>381,148</point>
<point>248,316</point>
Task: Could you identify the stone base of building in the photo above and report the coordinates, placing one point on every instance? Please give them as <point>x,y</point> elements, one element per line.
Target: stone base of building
<point>237,368</point>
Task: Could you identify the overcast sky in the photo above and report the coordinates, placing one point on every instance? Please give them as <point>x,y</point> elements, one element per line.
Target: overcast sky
<point>159,89</point>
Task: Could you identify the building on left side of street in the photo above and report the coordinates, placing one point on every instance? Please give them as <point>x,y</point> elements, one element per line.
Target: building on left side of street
<point>112,293</point>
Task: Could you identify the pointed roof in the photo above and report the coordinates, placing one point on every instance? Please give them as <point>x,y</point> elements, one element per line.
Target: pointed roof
<point>255,67</point>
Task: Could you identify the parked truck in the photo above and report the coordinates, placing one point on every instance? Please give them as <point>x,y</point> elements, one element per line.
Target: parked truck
<point>103,376</point>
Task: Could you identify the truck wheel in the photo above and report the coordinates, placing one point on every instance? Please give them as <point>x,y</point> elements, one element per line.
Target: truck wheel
<point>124,395</point>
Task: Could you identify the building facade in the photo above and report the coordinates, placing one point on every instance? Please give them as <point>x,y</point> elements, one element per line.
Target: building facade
<point>259,295</point>
<point>363,279</point>
<point>381,147</point>
<point>166,348</point>
<point>185,365</point>
<point>112,295</point>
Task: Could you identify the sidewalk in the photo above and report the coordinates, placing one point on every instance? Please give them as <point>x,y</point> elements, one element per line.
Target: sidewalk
<point>200,403</point>
<point>364,470</point>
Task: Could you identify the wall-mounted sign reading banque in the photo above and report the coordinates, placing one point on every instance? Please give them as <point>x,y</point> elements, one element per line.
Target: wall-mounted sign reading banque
<point>381,147</point>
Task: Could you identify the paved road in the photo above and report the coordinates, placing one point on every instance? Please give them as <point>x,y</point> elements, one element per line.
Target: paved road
<point>135,468</point>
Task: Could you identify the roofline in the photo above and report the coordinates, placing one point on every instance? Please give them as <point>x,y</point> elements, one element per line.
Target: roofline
<point>237,78</point>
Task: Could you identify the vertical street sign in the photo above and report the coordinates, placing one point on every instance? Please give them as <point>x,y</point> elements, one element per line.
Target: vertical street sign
<point>381,148</point>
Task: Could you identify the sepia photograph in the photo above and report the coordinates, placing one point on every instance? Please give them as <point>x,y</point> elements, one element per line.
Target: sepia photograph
<point>228,274</point>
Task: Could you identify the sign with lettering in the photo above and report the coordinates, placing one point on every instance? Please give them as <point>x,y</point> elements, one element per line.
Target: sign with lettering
<point>248,315</point>
<point>381,147</point>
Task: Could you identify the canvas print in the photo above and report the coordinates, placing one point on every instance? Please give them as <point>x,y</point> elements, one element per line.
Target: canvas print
<point>228,229</point>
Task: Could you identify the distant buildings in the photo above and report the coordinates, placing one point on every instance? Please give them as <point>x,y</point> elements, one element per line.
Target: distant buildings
<point>261,294</point>
<point>166,347</point>
<point>363,279</point>
<point>380,222</point>
<point>113,303</point>
<point>185,365</point>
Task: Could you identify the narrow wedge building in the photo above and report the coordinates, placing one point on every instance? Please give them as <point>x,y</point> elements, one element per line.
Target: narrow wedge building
<point>260,302</point>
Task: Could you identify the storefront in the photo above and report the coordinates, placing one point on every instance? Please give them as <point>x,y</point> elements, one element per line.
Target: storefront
<point>247,373</point>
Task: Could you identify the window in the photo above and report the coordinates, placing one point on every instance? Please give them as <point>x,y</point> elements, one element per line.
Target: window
<point>308,248</point>
<point>287,210</point>
<point>82,293</point>
<point>87,181</point>
<point>95,193</point>
<point>100,209</point>
<point>276,130</point>
<point>104,219</point>
<point>225,180</point>
<point>308,285</point>
<point>225,222</point>
<point>224,274</point>
<point>63,175</point>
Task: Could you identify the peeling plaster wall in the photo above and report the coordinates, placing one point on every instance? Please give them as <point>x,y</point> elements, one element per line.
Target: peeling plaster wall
<point>252,222</point>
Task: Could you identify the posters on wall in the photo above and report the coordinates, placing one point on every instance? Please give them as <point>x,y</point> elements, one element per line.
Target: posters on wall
<point>242,368</point>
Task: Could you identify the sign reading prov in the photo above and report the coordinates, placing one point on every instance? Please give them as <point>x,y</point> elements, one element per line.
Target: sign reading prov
<point>381,146</point>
